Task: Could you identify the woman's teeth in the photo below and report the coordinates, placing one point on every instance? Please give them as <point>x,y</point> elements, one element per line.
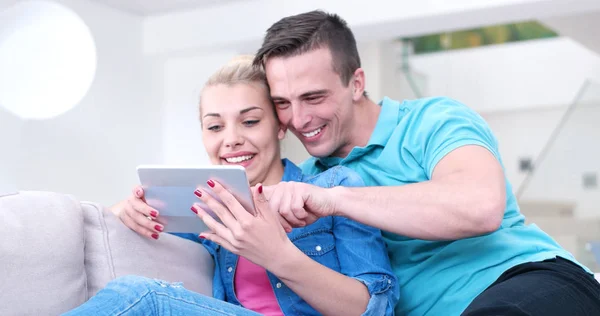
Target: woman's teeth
<point>239,159</point>
<point>313,133</point>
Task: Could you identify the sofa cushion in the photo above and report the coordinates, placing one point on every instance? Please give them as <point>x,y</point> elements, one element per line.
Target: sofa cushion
<point>41,254</point>
<point>113,250</point>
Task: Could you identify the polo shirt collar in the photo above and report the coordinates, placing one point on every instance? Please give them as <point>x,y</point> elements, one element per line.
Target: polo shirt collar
<point>386,123</point>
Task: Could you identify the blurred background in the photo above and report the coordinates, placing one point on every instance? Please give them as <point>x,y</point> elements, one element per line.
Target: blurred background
<point>89,89</point>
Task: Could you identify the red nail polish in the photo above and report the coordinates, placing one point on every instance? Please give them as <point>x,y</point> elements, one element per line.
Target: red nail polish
<point>153,213</point>
<point>198,193</point>
<point>201,237</point>
<point>155,236</point>
<point>260,189</point>
<point>210,183</point>
<point>194,210</point>
<point>158,228</point>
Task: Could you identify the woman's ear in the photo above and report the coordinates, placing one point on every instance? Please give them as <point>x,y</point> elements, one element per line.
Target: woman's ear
<point>281,132</point>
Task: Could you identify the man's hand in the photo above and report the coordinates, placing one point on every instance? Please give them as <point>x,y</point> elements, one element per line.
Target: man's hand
<point>299,204</point>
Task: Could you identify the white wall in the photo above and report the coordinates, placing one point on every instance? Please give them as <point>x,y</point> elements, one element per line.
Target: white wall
<point>574,153</point>
<point>558,177</point>
<point>92,150</point>
<point>10,140</point>
<point>379,60</point>
<point>518,75</point>
<point>522,134</point>
<point>183,80</point>
<point>493,78</point>
<point>577,26</point>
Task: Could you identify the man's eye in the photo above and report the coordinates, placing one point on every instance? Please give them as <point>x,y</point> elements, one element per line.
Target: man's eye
<point>281,104</point>
<point>314,99</point>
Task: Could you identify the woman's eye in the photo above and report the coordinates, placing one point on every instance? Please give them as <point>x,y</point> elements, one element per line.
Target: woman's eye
<point>214,128</point>
<point>251,122</point>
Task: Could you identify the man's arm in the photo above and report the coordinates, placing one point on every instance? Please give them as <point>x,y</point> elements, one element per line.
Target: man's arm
<point>465,197</point>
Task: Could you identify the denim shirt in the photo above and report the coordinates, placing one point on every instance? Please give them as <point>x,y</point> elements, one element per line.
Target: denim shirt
<point>353,249</point>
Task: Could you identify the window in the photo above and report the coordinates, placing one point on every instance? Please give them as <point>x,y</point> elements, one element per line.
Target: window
<point>489,35</point>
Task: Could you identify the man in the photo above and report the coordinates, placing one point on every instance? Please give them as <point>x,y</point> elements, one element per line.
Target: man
<point>437,187</point>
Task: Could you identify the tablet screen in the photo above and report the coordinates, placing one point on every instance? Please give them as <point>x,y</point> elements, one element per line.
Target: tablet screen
<point>170,190</point>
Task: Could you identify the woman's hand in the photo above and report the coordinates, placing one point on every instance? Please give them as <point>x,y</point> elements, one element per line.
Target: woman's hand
<point>259,238</point>
<point>137,215</point>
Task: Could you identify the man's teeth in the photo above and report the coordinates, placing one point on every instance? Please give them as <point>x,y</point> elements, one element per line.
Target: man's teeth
<point>239,158</point>
<point>313,133</point>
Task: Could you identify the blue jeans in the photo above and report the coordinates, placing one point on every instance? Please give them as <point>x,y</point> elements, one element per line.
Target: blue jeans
<point>134,295</point>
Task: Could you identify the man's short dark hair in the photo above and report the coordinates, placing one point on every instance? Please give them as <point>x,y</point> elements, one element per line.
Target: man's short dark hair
<point>298,34</point>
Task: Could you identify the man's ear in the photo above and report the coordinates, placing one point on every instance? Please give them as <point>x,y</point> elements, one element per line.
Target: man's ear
<point>282,131</point>
<point>358,84</point>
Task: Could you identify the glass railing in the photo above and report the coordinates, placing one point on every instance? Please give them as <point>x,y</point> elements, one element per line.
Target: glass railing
<point>561,193</point>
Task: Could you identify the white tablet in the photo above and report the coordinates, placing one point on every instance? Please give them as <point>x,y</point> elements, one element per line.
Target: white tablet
<point>170,190</point>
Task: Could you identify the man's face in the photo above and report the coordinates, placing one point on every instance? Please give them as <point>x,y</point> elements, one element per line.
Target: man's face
<point>312,101</point>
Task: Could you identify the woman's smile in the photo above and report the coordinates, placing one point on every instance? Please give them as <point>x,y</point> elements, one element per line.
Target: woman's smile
<point>243,159</point>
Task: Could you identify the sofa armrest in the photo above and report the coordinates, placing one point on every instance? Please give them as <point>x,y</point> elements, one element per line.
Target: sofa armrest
<point>113,250</point>
<point>41,254</point>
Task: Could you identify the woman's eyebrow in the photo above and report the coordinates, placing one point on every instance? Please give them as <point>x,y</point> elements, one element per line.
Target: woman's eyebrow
<point>246,110</point>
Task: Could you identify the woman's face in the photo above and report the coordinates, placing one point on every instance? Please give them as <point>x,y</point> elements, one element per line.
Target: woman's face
<point>239,127</point>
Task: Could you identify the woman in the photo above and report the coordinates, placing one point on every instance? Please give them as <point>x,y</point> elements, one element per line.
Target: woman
<point>334,266</point>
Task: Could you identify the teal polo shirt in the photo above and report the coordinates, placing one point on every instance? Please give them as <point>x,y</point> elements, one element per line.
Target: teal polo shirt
<point>439,277</point>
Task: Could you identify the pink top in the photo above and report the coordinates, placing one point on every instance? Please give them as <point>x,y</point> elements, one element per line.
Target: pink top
<point>253,289</point>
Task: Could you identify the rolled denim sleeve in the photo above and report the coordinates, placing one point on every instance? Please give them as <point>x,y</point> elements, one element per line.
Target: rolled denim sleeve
<point>363,256</point>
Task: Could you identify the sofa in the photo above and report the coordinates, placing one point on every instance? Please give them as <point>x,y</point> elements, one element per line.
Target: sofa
<point>56,252</point>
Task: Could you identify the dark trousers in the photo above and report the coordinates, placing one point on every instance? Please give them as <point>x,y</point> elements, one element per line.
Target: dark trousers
<point>552,287</point>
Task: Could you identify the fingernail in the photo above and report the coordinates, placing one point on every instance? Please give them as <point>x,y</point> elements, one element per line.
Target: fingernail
<point>201,237</point>
<point>198,193</point>
<point>139,192</point>
<point>153,213</point>
<point>158,228</point>
<point>194,210</point>
<point>155,236</point>
<point>260,189</point>
<point>211,183</point>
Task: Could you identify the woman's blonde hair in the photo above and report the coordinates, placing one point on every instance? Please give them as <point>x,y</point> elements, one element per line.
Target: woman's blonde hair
<point>238,70</point>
